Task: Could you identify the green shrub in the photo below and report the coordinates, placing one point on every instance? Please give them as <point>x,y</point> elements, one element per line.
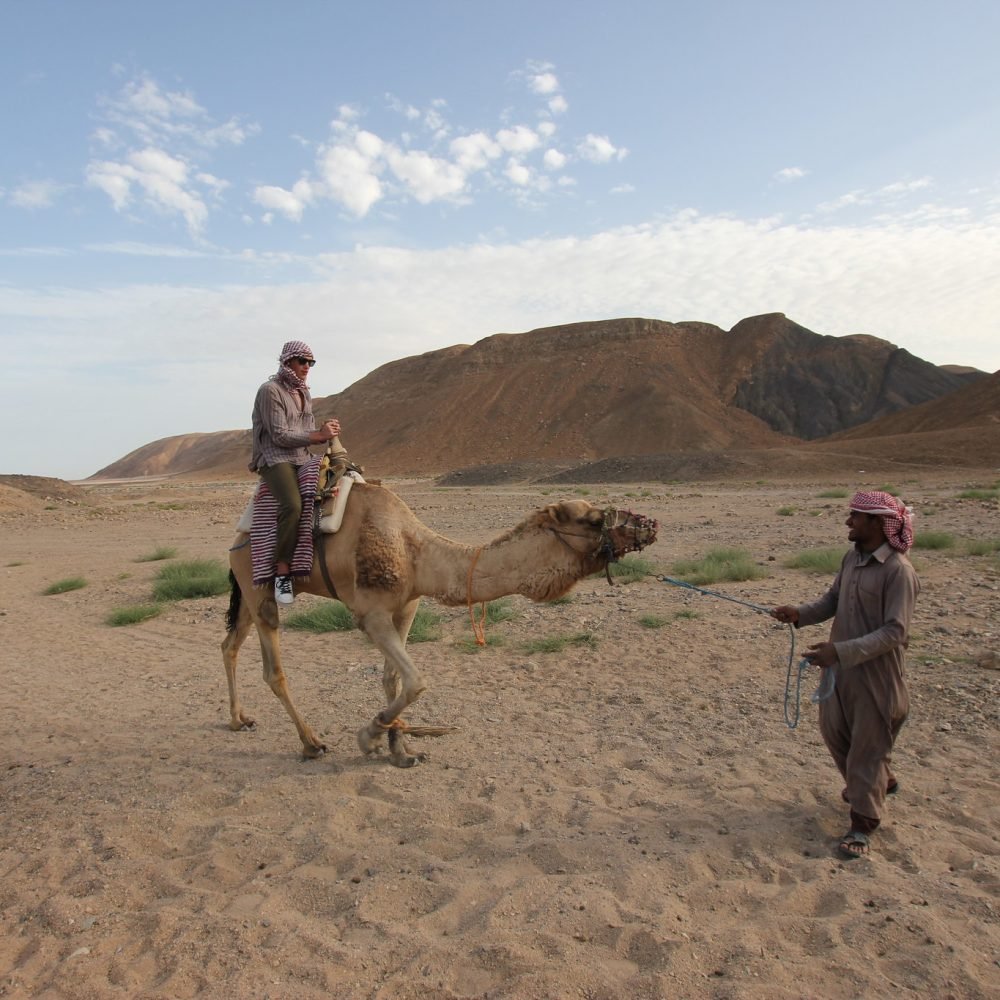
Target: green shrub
<point>501,610</point>
<point>194,578</point>
<point>133,614</point>
<point>62,586</point>
<point>687,614</point>
<point>163,552</point>
<point>717,565</point>
<point>652,621</point>
<point>837,494</point>
<point>826,561</point>
<point>557,643</point>
<point>426,626</point>
<point>326,616</point>
<point>786,511</point>
<point>982,546</point>
<point>978,494</point>
<point>631,568</point>
<point>933,540</point>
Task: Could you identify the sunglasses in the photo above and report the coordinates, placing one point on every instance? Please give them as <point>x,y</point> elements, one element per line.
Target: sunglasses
<point>304,361</point>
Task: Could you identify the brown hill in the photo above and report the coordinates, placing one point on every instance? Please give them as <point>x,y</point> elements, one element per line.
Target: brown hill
<point>589,391</point>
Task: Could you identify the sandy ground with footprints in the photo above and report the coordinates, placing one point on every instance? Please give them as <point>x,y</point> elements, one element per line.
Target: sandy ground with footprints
<point>629,817</point>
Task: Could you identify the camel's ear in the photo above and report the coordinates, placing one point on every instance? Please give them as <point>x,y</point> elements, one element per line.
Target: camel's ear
<point>556,512</point>
<point>569,512</point>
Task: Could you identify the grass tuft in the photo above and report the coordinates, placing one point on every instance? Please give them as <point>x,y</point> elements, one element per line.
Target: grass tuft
<point>982,546</point>
<point>163,552</point>
<point>557,643</point>
<point>933,540</point>
<point>193,578</point>
<point>133,614</point>
<point>631,568</point>
<point>832,494</point>
<point>426,626</point>
<point>327,616</point>
<point>786,511</point>
<point>978,494</point>
<point>653,621</point>
<point>718,565</point>
<point>501,610</point>
<point>826,561</point>
<point>64,586</point>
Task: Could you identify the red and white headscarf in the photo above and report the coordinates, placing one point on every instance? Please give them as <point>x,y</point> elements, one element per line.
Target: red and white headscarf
<point>897,518</point>
<point>292,349</point>
<point>295,349</point>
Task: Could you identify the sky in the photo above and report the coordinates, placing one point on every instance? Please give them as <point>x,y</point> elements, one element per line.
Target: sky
<point>185,186</point>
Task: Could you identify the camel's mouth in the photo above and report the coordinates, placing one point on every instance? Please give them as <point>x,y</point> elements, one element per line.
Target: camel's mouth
<point>627,532</point>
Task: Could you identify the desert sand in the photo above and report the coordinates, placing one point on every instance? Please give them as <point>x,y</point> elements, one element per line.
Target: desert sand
<point>629,817</point>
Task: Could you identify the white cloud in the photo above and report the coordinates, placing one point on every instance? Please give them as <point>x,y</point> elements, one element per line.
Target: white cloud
<point>599,149</point>
<point>351,177</point>
<point>887,194</point>
<point>163,180</point>
<point>790,174</point>
<point>517,173</point>
<point>554,160</point>
<point>519,139</point>
<point>290,204</point>
<point>36,194</point>
<point>558,105</point>
<point>545,83</point>
<point>428,178</point>
<point>164,134</point>
<point>475,151</point>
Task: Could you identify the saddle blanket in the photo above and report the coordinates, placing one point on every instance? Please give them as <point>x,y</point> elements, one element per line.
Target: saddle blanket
<point>264,530</point>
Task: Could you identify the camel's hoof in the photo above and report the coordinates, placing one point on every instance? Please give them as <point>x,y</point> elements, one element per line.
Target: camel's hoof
<point>369,743</point>
<point>243,722</point>
<point>312,752</point>
<point>407,760</point>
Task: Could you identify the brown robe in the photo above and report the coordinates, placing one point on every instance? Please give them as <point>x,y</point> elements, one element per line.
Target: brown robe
<point>871,602</point>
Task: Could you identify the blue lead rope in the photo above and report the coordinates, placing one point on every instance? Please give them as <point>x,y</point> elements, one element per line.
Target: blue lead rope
<point>827,678</point>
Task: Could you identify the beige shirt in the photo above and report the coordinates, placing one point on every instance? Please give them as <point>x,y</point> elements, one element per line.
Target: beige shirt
<point>871,602</point>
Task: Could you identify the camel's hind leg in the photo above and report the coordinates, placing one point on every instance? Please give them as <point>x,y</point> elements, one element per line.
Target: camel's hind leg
<point>261,610</point>
<point>239,627</point>
<point>401,682</point>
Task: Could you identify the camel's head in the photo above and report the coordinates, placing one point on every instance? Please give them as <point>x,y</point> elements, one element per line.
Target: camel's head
<point>602,535</point>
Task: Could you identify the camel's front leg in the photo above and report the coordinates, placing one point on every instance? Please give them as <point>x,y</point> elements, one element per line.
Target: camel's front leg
<point>267,629</point>
<point>401,682</point>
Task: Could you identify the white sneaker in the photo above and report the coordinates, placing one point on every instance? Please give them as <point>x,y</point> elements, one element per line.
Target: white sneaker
<point>283,593</point>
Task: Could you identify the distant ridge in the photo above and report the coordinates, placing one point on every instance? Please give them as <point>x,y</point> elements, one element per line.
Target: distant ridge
<point>585,392</point>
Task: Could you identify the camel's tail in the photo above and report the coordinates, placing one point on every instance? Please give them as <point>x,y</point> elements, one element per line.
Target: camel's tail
<point>235,596</point>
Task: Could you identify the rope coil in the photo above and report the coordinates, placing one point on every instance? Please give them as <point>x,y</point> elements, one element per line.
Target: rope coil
<point>827,678</point>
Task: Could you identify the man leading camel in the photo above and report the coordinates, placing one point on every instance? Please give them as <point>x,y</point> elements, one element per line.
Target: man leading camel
<point>283,428</point>
<point>871,603</point>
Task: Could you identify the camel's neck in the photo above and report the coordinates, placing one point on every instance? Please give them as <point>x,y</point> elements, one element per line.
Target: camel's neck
<point>532,562</point>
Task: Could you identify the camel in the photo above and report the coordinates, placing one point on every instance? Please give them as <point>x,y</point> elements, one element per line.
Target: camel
<point>380,563</point>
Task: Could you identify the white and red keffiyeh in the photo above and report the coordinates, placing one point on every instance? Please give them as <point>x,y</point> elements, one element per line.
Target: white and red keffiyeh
<point>295,349</point>
<point>897,518</point>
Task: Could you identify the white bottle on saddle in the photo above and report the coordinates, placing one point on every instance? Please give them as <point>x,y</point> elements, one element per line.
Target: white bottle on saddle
<point>332,521</point>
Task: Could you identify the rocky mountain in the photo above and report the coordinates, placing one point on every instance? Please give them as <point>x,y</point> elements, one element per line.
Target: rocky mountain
<point>598,390</point>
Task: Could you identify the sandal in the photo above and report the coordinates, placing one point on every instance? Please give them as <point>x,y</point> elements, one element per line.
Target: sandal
<point>891,790</point>
<point>854,844</point>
